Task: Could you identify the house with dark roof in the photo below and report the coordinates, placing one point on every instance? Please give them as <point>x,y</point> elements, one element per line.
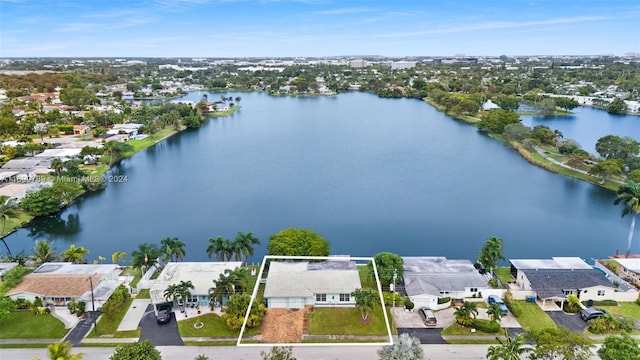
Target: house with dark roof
<point>428,279</point>
<point>293,285</point>
<point>556,278</point>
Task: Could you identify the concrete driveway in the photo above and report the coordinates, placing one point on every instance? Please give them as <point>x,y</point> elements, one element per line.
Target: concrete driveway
<point>412,319</point>
<point>573,322</point>
<point>159,334</point>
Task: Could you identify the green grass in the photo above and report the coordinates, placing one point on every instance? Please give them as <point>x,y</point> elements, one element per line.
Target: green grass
<point>457,329</point>
<point>533,318</point>
<point>348,341</point>
<point>23,346</point>
<point>17,221</point>
<point>27,325</point>
<point>142,144</point>
<point>504,274</point>
<point>471,341</point>
<point>143,294</point>
<point>214,326</point>
<point>346,321</point>
<point>213,343</point>
<point>627,309</point>
<point>224,113</point>
<point>109,325</point>
<point>366,280</point>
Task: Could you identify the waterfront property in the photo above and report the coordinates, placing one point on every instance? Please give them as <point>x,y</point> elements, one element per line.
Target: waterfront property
<point>4,267</point>
<point>556,278</point>
<point>58,283</point>
<point>201,275</point>
<point>293,285</point>
<point>427,279</point>
<point>628,269</point>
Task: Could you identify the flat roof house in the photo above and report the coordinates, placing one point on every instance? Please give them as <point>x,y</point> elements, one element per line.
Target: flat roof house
<point>201,275</point>
<point>293,285</point>
<point>556,278</point>
<point>57,283</point>
<point>429,278</point>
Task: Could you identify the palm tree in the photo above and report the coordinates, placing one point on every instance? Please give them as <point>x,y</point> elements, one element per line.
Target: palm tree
<point>171,292</point>
<point>8,209</point>
<point>245,242</point>
<point>145,257</point>
<point>225,285</point>
<point>118,256</point>
<point>220,247</point>
<point>466,313</point>
<point>494,312</point>
<point>44,252</point>
<point>74,254</point>
<point>62,351</point>
<point>57,165</point>
<point>172,249</point>
<point>606,169</point>
<point>629,195</point>
<point>508,349</point>
<point>184,290</point>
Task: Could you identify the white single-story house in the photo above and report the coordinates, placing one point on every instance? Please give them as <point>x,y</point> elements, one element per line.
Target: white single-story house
<point>129,129</point>
<point>293,285</point>
<point>4,267</point>
<point>628,269</point>
<point>427,279</point>
<point>490,105</point>
<point>58,283</point>
<point>556,278</point>
<point>201,275</point>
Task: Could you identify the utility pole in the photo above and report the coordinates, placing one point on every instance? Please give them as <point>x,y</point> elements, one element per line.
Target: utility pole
<point>93,307</point>
<point>393,286</point>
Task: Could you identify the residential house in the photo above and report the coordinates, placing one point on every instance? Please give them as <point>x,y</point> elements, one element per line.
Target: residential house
<point>489,105</point>
<point>201,275</point>
<point>628,269</point>
<point>556,278</point>
<point>4,267</point>
<point>429,279</point>
<point>293,285</point>
<point>58,283</point>
<point>81,129</point>
<point>129,129</point>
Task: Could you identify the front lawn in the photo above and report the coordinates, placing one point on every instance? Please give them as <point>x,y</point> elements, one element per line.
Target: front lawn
<point>346,321</point>
<point>109,325</point>
<point>214,326</point>
<point>457,329</point>
<point>27,325</point>
<point>533,318</point>
<point>626,309</point>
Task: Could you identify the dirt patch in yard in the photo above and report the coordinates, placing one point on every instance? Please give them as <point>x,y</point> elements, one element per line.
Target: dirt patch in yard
<point>283,325</point>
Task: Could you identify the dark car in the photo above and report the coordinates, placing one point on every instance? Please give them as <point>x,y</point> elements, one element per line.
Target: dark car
<point>591,313</point>
<point>494,299</point>
<point>164,316</point>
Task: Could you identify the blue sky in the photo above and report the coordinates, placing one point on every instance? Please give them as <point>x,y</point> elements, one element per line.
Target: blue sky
<point>274,28</point>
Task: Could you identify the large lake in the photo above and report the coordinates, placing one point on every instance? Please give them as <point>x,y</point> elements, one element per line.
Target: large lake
<point>368,174</point>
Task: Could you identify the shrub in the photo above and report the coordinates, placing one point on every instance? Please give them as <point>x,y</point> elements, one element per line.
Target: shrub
<point>513,306</point>
<point>444,300</point>
<point>610,324</point>
<point>23,304</point>
<point>486,325</point>
<point>602,303</point>
<point>408,304</point>
<point>388,298</point>
<point>638,301</point>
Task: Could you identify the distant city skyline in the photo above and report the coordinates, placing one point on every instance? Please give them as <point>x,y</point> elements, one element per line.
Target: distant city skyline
<point>316,28</point>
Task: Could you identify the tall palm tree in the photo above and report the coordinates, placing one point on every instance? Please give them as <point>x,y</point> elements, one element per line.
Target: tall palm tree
<point>466,313</point>
<point>57,165</point>
<point>8,209</point>
<point>172,249</point>
<point>171,292</point>
<point>62,351</point>
<point>184,290</point>
<point>629,196</point>
<point>494,312</point>
<point>44,252</point>
<point>508,349</point>
<point>245,243</point>
<point>74,254</point>
<point>225,285</point>
<point>220,247</point>
<point>118,256</point>
<point>145,257</point>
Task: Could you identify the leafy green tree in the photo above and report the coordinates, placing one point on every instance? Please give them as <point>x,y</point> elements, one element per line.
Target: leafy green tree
<point>491,253</point>
<point>560,343</point>
<point>172,249</point>
<point>615,147</point>
<point>278,353</point>
<point>466,313</point>
<point>116,150</point>
<point>544,134</point>
<point>405,347</point>
<point>143,350</point>
<point>62,351</point>
<point>547,106</point>
<point>298,242</point>
<point>517,132</point>
<point>508,102</point>
<point>566,103</point>
<point>365,300</point>
<point>634,175</point>
<point>145,257</point>
<point>495,120</point>
<point>508,348</point>
<point>220,247</point>
<point>387,263</point>
<point>628,195</point>
<point>8,209</point>
<point>236,308</point>
<point>44,252</point>
<point>50,199</point>
<point>617,106</point>
<point>74,254</point>
<point>606,169</point>
<point>79,97</point>
<point>619,348</point>
<point>7,305</point>
<point>494,312</point>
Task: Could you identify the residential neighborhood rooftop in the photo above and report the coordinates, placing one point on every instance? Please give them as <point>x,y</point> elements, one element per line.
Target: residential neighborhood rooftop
<point>550,283</point>
<point>631,264</point>
<point>433,274</point>
<point>287,279</point>
<point>56,284</point>
<point>70,268</point>
<point>553,263</point>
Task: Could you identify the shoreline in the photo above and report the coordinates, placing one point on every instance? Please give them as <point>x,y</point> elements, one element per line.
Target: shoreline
<point>30,218</point>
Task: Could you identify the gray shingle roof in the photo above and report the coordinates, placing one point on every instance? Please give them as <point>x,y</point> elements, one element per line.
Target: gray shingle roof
<point>552,283</point>
<point>433,274</point>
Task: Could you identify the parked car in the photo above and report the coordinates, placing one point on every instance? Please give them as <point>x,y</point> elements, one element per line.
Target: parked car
<point>164,315</point>
<point>495,299</point>
<point>428,317</point>
<point>591,313</point>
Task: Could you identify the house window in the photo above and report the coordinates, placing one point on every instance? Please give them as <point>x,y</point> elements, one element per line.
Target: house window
<point>321,297</point>
<point>345,297</point>
<point>600,292</point>
<point>474,289</point>
<point>567,292</point>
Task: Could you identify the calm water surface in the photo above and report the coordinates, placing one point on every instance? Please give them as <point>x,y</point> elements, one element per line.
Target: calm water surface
<point>368,174</point>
